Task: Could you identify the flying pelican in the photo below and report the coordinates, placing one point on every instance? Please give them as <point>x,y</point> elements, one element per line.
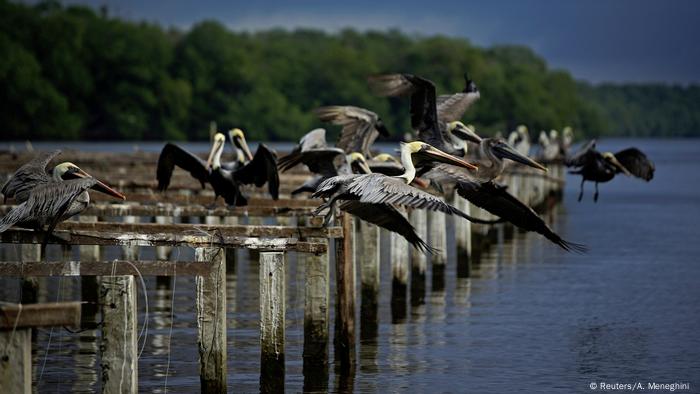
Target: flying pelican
<point>361,127</point>
<point>49,199</point>
<point>373,197</point>
<point>226,180</point>
<point>600,167</point>
<point>428,118</point>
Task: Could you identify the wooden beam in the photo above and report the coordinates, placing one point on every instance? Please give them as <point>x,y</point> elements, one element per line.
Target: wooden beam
<point>24,236</point>
<point>40,315</point>
<point>98,268</point>
<point>176,210</point>
<point>157,197</point>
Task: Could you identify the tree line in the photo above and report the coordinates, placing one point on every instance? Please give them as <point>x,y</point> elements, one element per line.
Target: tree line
<point>72,72</point>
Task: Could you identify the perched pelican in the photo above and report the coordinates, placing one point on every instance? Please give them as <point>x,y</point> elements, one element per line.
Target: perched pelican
<point>520,140</point>
<point>225,180</point>
<point>373,197</point>
<point>361,127</point>
<point>49,199</point>
<point>427,117</point>
<point>241,149</point>
<point>602,167</point>
<point>492,152</point>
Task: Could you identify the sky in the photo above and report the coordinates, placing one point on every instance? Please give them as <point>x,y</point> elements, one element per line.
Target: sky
<point>596,40</point>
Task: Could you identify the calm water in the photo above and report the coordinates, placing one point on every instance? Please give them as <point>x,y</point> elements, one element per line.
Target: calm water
<point>531,318</point>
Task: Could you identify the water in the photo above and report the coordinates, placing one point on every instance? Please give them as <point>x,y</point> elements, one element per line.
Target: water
<point>531,318</point>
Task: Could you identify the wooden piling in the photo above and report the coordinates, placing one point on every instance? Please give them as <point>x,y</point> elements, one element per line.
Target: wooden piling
<point>231,252</point>
<point>316,308</point>
<point>345,297</point>
<point>368,254</point>
<point>399,272</point>
<point>272,322</point>
<point>163,252</point>
<point>130,252</point>
<point>211,320</point>
<point>419,261</point>
<point>30,284</point>
<point>463,236</point>
<point>16,360</point>
<point>119,361</point>
<point>89,252</point>
<point>438,239</point>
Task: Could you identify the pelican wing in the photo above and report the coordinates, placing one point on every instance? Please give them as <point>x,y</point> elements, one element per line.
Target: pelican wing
<point>451,107</point>
<point>262,169</point>
<point>28,176</point>
<point>47,203</point>
<point>388,217</point>
<point>320,161</point>
<point>361,127</point>
<point>496,200</point>
<point>424,117</point>
<point>380,189</point>
<point>390,168</point>
<point>171,156</point>
<point>587,154</point>
<point>636,163</point>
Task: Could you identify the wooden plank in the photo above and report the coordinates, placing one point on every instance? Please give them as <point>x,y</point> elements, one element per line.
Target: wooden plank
<point>24,236</point>
<point>157,197</point>
<point>119,358</point>
<point>272,321</point>
<point>16,361</point>
<point>345,296</point>
<point>40,315</point>
<point>211,320</point>
<point>97,268</point>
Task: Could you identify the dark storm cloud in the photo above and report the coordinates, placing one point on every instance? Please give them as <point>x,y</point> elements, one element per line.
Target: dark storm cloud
<point>630,40</point>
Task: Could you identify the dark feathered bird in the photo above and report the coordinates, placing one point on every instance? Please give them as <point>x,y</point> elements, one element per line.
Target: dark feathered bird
<point>598,167</point>
<point>361,127</point>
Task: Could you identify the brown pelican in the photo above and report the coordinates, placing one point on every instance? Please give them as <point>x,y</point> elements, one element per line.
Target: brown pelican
<point>225,178</point>
<point>602,167</point>
<point>428,119</point>
<point>50,199</point>
<point>28,176</point>
<point>361,127</point>
<point>386,164</point>
<point>373,197</point>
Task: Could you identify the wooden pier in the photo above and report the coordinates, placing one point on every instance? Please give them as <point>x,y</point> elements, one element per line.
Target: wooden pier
<point>185,216</point>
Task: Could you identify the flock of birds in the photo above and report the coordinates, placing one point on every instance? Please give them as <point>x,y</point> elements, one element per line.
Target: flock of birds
<point>446,157</point>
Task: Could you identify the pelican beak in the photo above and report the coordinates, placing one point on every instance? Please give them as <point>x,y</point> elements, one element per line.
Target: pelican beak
<point>214,149</point>
<point>442,157</point>
<point>99,186</point>
<point>505,151</point>
<point>465,133</point>
<point>243,145</point>
<point>103,188</point>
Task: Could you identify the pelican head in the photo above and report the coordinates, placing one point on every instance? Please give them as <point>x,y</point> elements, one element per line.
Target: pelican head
<point>543,139</point>
<point>521,129</point>
<point>217,148</point>
<point>421,151</point>
<point>67,170</point>
<point>357,161</point>
<point>503,150</point>
<point>238,139</point>
<point>553,134</point>
<point>463,132</point>
<point>610,158</point>
<point>385,157</point>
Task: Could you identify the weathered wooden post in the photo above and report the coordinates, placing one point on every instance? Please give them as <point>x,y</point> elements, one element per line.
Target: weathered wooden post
<point>345,296</point>
<point>419,261</point>
<point>88,284</point>
<point>30,284</point>
<point>119,334</point>
<point>368,254</point>
<point>130,252</point>
<point>399,272</point>
<point>438,240</point>
<point>163,252</point>
<point>211,320</point>
<point>316,327</point>
<point>16,360</point>
<point>272,308</point>
<point>463,236</point>
<point>231,252</point>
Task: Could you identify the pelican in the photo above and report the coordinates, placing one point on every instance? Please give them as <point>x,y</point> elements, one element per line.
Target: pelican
<point>451,107</point>
<point>567,138</point>
<point>600,167</point>
<point>373,197</point>
<point>428,117</point>
<point>491,152</point>
<point>520,140</point>
<point>361,127</point>
<point>386,164</point>
<point>225,178</point>
<point>49,199</point>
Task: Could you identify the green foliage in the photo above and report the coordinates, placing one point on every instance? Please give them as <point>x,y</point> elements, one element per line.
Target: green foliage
<point>73,73</point>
